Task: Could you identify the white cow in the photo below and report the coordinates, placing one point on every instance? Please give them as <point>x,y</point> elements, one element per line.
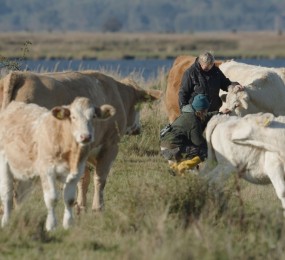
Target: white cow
<point>35,141</point>
<point>250,146</point>
<point>264,89</point>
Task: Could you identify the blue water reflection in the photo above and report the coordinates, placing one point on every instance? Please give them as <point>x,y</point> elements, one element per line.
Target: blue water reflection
<point>146,68</point>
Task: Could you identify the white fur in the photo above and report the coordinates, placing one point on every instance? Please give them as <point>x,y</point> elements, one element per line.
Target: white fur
<point>264,89</point>
<point>250,146</point>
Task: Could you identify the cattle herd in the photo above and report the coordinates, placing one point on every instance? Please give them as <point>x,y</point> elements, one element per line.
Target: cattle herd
<point>54,124</point>
<point>36,150</point>
<point>250,141</point>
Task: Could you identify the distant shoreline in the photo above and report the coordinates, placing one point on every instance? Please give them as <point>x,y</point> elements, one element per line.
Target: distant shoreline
<point>125,46</point>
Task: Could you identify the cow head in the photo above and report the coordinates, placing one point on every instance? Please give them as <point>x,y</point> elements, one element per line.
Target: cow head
<point>140,96</point>
<point>235,100</point>
<point>81,113</point>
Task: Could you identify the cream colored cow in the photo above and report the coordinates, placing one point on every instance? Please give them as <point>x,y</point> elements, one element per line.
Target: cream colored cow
<point>51,144</point>
<point>251,147</point>
<point>53,89</point>
<point>264,89</point>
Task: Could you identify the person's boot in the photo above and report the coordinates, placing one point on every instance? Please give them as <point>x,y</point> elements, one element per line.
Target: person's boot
<point>173,168</point>
<point>188,165</point>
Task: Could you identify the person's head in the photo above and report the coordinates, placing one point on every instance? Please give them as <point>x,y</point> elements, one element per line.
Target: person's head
<point>201,105</point>
<point>206,60</point>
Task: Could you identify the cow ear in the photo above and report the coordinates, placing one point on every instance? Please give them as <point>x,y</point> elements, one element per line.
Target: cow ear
<point>231,88</point>
<point>244,99</point>
<point>223,97</point>
<point>151,95</point>
<point>263,119</point>
<point>60,113</point>
<point>104,112</point>
<point>142,95</point>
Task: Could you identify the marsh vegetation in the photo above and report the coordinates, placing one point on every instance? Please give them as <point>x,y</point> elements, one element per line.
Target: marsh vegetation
<point>80,45</point>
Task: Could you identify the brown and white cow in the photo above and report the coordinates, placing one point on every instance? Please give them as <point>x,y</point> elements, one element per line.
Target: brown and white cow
<point>174,79</point>
<point>35,141</point>
<point>53,89</point>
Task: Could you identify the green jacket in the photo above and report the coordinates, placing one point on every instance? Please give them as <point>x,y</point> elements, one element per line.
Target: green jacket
<point>187,130</point>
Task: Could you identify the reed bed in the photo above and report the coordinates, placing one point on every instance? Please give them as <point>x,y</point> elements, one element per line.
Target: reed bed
<point>92,45</point>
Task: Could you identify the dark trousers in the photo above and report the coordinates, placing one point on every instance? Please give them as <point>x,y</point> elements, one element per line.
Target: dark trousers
<point>182,153</point>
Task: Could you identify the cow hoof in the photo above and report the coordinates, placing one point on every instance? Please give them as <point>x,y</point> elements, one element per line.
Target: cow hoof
<point>80,209</point>
<point>97,210</point>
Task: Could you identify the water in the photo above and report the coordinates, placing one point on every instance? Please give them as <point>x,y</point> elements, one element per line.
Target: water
<point>146,68</point>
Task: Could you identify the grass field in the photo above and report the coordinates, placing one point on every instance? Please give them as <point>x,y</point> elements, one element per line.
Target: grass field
<point>83,45</point>
<point>151,214</point>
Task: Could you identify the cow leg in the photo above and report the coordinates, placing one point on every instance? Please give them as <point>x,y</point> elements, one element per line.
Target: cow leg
<point>274,169</point>
<point>6,191</point>
<point>69,194</point>
<point>50,198</point>
<point>219,175</point>
<point>103,167</point>
<point>21,190</point>
<point>208,166</point>
<point>216,180</point>
<point>82,188</point>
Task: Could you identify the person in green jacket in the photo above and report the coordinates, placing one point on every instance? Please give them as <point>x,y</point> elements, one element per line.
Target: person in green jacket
<point>183,143</point>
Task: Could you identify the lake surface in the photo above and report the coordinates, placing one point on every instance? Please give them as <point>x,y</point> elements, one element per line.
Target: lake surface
<point>146,68</point>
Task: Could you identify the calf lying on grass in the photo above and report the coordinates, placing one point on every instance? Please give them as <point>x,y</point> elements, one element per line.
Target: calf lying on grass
<point>251,146</point>
<point>51,144</point>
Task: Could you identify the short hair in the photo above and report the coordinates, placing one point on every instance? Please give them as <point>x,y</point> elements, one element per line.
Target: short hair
<point>206,58</point>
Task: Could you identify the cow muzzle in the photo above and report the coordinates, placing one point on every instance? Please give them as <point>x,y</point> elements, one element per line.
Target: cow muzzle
<point>136,131</point>
<point>85,138</point>
<point>133,131</point>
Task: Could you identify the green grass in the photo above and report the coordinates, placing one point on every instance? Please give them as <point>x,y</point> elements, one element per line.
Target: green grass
<point>150,214</point>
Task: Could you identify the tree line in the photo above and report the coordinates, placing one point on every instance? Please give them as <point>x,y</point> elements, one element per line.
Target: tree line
<point>181,16</point>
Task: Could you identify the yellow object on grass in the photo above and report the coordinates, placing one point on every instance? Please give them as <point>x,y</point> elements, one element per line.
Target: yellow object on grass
<point>181,167</point>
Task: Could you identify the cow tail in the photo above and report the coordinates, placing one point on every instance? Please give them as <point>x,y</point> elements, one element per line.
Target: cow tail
<point>209,131</point>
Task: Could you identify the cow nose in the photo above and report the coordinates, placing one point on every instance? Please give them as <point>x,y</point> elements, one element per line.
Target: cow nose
<point>85,138</point>
<point>134,131</point>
